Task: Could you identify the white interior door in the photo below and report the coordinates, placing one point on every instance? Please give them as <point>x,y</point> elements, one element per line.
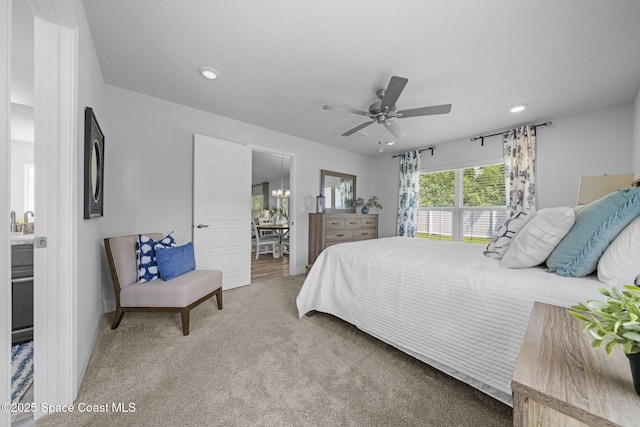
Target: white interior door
<point>222,208</point>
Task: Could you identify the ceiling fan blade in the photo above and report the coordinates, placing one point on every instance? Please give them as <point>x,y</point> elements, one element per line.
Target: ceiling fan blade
<point>425,111</point>
<point>357,128</point>
<point>394,129</point>
<point>345,110</point>
<point>393,91</point>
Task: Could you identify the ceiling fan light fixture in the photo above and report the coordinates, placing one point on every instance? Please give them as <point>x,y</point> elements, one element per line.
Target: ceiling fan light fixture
<point>209,73</point>
<point>518,108</point>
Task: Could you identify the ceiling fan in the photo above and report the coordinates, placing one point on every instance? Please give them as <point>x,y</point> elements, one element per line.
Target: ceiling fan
<point>384,110</point>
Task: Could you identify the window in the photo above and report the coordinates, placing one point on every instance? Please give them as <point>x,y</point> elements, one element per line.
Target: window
<point>462,204</point>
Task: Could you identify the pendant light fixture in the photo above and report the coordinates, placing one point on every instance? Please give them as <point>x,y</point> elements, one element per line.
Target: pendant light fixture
<point>281,193</point>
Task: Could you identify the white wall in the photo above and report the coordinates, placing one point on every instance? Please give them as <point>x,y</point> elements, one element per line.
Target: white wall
<point>21,155</point>
<point>594,143</point>
<point>90,249</point>
<point>148,167</point>
<point>636,136</point>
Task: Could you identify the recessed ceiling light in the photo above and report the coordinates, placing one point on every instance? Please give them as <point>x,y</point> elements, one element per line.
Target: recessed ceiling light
<point>209,73</point>
<point>390,142</point>
<point>518,108</point>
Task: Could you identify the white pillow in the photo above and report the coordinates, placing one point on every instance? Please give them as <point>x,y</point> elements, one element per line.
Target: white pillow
<point>620,263</point>
<point>539,237</point>
<point>504,236</point>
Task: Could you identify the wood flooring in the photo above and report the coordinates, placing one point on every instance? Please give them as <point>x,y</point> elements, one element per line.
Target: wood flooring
<point>267,267</point>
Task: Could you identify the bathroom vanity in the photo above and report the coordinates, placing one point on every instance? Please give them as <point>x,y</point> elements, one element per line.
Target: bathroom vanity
<point>21,288</point>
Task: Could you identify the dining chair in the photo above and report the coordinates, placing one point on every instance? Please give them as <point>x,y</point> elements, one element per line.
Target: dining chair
<point>259,221</point>
<point>284,244</point>
<point>264,244</point>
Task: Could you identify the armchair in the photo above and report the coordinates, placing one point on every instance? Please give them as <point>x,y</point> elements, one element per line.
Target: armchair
<point>178,295</point>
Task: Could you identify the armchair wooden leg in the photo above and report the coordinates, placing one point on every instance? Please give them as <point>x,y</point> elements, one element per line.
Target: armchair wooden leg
<point>219,298</point>
<point>117,317</point>
<point>184,313</point>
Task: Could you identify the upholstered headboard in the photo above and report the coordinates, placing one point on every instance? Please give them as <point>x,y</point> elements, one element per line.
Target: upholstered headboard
<point>594,187</point>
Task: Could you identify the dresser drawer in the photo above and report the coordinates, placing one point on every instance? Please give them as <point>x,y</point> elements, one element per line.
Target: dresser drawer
<point>339,235</point>
<point>327,229</point>
<point>370,222</point>
<point>364,234</point>
<point>335,224</point>
<point>353,223</point>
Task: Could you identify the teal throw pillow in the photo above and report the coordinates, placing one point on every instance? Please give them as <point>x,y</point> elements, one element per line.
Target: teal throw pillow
<point>597,225</point>
<point>172,262</point>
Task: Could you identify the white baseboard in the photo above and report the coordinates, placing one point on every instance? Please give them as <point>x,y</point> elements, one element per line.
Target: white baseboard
<point>85,362</point>
<point>109,305</point>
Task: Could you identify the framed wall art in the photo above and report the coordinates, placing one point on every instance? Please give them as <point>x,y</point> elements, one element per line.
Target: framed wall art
<point>93,166</point>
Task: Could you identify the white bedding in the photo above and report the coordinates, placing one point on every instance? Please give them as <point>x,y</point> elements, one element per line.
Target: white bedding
<point>444,303</point>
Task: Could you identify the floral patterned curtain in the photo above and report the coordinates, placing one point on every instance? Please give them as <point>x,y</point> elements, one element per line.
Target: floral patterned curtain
<point>519,168</point>
<point>346,191</point>
<point>409,193</point>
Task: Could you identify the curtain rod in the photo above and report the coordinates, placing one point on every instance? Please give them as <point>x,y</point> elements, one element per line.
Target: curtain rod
<point>482,137</point>
<point>419,151</point>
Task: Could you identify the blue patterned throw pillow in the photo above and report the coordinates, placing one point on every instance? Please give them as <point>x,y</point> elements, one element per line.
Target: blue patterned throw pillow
<point>146,254</point>
<point>505,234</point>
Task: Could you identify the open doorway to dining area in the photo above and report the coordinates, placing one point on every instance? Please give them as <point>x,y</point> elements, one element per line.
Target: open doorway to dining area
<point>270,213</point>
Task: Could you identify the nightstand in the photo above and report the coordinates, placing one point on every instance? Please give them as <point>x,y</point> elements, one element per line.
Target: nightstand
<point>561,381</point>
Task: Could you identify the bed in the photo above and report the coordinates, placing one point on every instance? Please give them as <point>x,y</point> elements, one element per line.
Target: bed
<point>444,303</point>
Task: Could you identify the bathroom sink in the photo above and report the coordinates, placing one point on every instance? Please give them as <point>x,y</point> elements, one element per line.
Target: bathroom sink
<point>21,239</point>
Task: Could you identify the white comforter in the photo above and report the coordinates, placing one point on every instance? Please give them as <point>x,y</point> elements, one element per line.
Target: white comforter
<point>444,303</point>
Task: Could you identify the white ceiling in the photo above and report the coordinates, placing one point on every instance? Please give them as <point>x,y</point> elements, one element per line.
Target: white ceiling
<point>281,61</point>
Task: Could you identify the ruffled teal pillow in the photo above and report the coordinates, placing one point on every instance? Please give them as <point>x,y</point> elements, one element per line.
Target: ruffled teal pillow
<point>597,225</point>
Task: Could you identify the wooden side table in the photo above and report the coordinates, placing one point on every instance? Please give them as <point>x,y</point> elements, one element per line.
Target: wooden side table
<point>561,380</point>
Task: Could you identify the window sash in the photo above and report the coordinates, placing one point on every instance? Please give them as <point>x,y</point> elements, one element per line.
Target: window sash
<point>459,222</point>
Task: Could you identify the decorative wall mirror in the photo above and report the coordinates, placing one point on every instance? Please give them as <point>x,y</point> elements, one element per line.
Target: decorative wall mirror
<point>339,191</point>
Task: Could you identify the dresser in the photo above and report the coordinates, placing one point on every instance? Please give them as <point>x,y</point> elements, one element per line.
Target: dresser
<point>329,229</point>
<point>561,381</point>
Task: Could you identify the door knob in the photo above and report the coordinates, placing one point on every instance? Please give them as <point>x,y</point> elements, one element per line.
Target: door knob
<point>198,225</point>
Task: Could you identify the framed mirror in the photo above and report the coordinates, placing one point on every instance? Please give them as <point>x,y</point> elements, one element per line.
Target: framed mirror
<point>339,191</point>
<point>93,166</point>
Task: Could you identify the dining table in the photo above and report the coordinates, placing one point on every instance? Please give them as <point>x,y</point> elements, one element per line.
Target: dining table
<point>281,230</point>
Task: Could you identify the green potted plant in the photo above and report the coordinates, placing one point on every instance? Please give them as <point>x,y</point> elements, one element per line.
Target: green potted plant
<point>616,322</point>
<point>279,215</point>
<point>354,204</point>
<point>371,203</point>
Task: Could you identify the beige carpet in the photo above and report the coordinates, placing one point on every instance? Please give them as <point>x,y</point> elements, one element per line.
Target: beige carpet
<point>256,363</point>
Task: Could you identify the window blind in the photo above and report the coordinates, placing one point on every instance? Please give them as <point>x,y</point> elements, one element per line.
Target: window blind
<point>462,204</point>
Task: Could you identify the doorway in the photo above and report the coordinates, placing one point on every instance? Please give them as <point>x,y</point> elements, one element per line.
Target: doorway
<point>22,201</point>
<point>272,214</point>
<point>55,38</point>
